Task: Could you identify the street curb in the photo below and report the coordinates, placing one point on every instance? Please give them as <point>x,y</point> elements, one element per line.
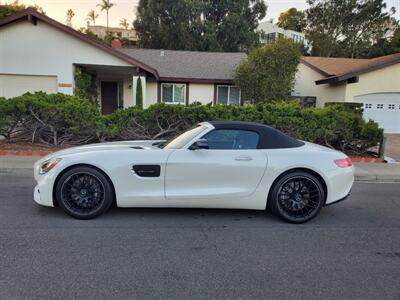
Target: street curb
<point>24,153</point>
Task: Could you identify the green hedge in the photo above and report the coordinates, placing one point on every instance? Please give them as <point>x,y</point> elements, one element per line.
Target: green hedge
<point>58,119</point>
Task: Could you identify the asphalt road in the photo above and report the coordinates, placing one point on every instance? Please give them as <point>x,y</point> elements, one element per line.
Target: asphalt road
<point>351,250</point>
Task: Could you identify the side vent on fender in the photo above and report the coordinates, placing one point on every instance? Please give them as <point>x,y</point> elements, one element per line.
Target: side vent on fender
<point>147,170</point>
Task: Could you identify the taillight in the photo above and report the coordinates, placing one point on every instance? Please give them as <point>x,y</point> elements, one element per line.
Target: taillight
<point>344,163</point>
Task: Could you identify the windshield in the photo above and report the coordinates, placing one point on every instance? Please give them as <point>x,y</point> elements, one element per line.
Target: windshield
<point>181,140</point>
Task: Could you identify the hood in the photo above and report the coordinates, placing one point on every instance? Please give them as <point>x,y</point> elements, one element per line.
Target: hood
<point>134,145</point>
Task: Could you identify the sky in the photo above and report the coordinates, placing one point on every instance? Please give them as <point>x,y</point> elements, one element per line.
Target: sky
<point>57,9</point>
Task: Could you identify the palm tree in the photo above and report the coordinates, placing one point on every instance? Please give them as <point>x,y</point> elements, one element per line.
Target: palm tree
<point>106,5</point>
<point>70,15</point>
<point>92,16</point>
<point>124,24</point>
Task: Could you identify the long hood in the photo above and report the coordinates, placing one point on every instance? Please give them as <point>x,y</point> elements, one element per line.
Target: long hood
<point>138,145</point>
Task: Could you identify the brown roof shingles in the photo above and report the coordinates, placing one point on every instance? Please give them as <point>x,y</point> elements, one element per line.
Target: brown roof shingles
<point>189,65</point>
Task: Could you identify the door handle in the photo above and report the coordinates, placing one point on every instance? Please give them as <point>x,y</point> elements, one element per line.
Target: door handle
<point>243,158</point>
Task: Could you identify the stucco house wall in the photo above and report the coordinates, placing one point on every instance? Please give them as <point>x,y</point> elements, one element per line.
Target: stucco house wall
<point>151,94</point>
<point>203,93</point>
<point>305,86</point>
<point>385,80</point>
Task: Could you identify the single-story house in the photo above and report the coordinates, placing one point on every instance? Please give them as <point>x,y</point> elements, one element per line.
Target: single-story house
<point>38,53</point>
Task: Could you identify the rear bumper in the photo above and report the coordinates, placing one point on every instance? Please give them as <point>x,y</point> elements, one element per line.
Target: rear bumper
<point>339,183</point>
<point>337,201</point>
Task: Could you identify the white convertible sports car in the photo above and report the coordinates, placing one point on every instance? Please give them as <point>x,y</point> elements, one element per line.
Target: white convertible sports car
<point>232,165</point>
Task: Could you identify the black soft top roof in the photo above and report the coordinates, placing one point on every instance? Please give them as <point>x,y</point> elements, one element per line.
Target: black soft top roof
<point>270,138</point>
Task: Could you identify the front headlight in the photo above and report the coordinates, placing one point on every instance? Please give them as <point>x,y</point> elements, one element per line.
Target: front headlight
<point>48,165</point>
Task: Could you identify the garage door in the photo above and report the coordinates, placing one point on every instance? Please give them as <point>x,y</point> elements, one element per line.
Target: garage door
<point>16,85</point>
<point>383,109</point>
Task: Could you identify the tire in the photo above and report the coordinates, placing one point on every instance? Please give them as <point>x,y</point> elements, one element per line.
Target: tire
<point>84,193</point>
<point>297,197</point>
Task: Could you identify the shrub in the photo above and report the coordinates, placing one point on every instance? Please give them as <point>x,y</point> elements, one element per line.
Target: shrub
<point>59,119</point>
<point>54,119</point>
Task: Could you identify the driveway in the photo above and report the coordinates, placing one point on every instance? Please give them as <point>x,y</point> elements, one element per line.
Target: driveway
<point>350,251</point>
<point>393,146</point>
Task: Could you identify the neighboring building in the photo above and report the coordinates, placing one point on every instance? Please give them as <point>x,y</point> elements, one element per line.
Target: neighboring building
<point>122,33</point>
<point>373,82</point>
<point>45,60</point>
<point>271,32</point>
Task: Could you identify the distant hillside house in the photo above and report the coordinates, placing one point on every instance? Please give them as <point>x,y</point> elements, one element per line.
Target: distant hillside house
<point>271,32</point>
<point>122,33</point>
<point>46,59</point>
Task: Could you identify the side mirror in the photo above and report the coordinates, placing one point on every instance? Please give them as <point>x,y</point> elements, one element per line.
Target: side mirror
<point>200,144</point>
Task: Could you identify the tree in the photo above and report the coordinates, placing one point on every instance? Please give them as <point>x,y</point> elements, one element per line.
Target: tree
<point>124,24</point>
<point>292,19</point>
<point>11,8</point>
<point>211,25</point>
<point>268,74</point>
<point>92,16</point>
<point>345,27</point>
<point>139,94</point>
<point>70,15</point>
<point>386,46</point>
<point>106,5</point>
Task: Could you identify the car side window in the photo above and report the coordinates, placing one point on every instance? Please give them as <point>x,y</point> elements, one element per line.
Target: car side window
<point>232,139</point>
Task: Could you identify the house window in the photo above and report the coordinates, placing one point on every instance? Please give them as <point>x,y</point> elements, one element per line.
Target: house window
<point>269,37</point>
<point>173,93</point>
<point>391,106</point>
<point>228,95</point>
<point>379,106</point>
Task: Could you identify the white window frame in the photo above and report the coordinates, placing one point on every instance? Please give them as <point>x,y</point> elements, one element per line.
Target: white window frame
<point>229,93</point>
<point>173,93</point>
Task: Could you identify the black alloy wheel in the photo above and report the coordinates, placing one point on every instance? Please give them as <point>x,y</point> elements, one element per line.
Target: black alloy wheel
<point>297,197</point>
<point>84,193</point>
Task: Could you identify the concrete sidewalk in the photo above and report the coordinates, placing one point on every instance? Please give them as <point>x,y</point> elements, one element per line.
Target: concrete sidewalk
<point>17,164</point>
<point>364,171</point>
<point>377,172</point>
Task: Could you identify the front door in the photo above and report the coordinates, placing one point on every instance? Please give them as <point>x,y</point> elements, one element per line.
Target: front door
<point>232,167</point>
<point>109,96</point>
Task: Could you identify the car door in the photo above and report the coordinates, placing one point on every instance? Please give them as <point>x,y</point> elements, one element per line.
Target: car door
<point>232,167</point>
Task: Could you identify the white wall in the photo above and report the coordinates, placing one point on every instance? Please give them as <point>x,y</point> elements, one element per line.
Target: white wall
<point>151,94</point>
<point>43,50</point>
<point>16,85</point>
<point>203,93</point>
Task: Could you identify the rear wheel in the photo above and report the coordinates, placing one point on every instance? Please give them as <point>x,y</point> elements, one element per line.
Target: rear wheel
<point>297,197</point>
<point>84,193</point>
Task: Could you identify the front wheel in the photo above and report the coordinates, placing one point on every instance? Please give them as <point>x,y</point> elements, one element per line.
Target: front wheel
<point>297,197</point>
<point>84,193</point>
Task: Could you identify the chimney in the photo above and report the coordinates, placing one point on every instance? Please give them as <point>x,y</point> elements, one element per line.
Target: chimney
<point>116,43</point>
